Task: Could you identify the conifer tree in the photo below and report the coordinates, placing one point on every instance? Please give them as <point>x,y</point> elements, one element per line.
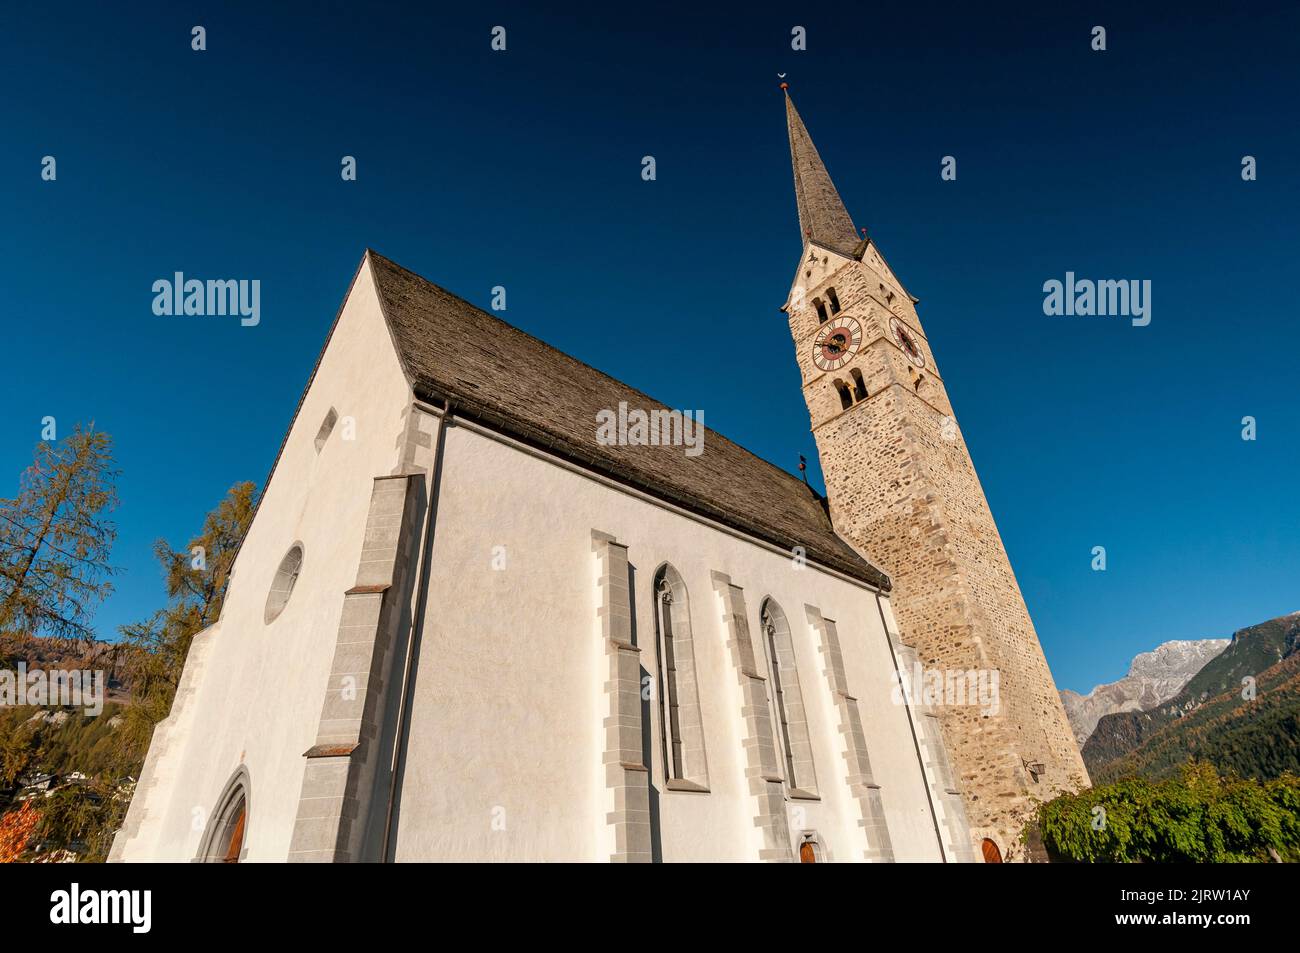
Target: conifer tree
<point>55,538</point>
<point>196,580</point>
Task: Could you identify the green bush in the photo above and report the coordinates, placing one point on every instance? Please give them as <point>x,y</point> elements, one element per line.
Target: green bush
<point>1200,817</point>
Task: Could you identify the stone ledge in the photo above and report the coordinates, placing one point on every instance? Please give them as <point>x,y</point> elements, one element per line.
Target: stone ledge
<point>681,784</point>
<point>330,751</point>
<point>378,588</point>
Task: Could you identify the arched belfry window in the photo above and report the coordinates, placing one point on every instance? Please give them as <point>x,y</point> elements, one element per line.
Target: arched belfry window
<point>822,316</point>
<point>846,398</point>
<point>859,385</point>
<point>835,300</point>
<point>787,701</point>
<point>681,731</point>
<point>224,839</point>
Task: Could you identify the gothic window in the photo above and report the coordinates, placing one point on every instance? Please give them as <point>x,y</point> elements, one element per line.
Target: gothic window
<point>223,842</point>
<point>835,301</point>
<point>822,316</point>
<point>787,701</point>
<point>859,385</point>
<point>681,732</point>
<point>846,397</point>
<point>326,428</point>
<point>286,577</point>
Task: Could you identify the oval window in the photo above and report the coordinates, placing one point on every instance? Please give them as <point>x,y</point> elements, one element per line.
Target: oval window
<point>285,579</point>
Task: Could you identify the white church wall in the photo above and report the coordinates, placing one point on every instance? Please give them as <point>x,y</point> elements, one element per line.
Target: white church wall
<point>506,741</point>
<point>258,700</point>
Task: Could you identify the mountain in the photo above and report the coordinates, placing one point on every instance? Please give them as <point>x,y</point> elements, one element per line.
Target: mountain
<point>1153,678</point>
<point>54,654</point>
<point>1219,715</point>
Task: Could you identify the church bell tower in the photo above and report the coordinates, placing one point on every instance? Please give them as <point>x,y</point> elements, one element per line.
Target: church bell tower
<point>904,492</point>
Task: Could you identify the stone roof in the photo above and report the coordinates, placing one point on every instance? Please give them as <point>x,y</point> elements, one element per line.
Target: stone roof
<point>512,382</point>
<point>823,219</point>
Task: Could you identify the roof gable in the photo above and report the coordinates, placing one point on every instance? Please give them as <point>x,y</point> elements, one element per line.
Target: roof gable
<point>538,394</point>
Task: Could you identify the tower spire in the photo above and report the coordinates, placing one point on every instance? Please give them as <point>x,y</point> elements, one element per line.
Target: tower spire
<point>822,215</point>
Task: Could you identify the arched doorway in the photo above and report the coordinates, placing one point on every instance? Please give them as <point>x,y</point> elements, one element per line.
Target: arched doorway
<point>807,853</point>
<point>991,853</point>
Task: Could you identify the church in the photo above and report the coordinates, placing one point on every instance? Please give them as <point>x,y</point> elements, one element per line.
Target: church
<point>510,638</point>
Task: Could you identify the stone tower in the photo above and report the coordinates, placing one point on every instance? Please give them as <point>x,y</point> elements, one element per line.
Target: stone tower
<point>903,490</point>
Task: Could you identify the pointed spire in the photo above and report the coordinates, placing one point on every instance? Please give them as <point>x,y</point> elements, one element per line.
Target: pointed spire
<point>822,215</point>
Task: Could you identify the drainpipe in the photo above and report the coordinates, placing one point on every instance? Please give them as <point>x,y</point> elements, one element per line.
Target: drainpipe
<point>911,724</point>
<point>398,764</point>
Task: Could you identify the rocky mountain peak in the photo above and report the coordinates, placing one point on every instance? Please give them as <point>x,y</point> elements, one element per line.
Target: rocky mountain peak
<point>1153,678</point>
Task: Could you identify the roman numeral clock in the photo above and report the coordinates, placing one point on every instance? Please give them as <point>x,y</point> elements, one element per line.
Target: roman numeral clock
<point>909,346</point>
<point>836,343</point>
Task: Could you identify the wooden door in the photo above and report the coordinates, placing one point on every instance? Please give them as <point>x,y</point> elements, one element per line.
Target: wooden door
<point>991,853</point>
<point>236,839</point>
<point>807,855</point>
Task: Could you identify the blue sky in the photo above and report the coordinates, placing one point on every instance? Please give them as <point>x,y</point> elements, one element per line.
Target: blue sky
<point>522,169</point>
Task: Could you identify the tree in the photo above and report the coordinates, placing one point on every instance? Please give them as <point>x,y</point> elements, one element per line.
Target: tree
<point>196,580</point>
<point>55,538</point>
<point>1200,817</point>
<point>15,829</point>
<point>16,750</point>
<point>81,818</point>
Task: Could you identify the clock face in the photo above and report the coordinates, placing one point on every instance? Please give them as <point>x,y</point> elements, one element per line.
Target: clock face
<point>838,341</point>
<point>905,340</point>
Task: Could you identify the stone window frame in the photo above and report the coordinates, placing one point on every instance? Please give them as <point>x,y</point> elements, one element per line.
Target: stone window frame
<point>237,790</point>
<point>791,730</point>
<point>684,756</point>
<point>283,583</point>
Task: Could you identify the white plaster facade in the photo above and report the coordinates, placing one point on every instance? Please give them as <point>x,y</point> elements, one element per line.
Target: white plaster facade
<point>507,754</point>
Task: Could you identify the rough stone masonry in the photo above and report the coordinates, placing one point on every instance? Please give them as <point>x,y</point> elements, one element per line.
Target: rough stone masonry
<point>903,489</point>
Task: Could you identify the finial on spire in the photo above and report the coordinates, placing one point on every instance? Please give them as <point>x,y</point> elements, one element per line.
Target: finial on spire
<point>785,85</point>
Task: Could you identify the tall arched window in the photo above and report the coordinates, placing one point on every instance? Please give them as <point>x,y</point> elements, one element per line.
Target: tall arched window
<point>835,300</point>
<point>859,385</point>
<point>822,316</point>
<point>223,841</point>
<point>681,731</point>
<point>787,700</point>
<point>846,397</point>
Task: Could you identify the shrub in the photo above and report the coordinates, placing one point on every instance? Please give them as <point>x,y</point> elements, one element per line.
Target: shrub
<point>1199,817</point>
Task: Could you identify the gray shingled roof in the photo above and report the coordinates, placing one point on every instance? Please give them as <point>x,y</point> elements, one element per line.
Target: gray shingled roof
<point>533,392</point>
<point>823,219</point>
